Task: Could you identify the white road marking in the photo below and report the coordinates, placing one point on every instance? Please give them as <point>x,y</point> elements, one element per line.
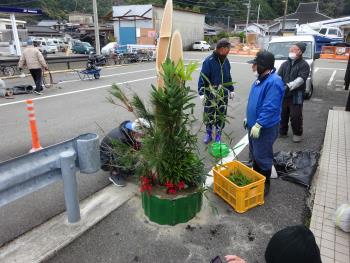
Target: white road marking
<point>74,92</point>
<point>333,68</point>
<point>332,78</point>
<point>316,69</point>
<point>108,76</point>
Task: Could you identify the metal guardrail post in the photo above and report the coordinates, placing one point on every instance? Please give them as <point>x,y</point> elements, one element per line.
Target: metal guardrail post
<point>67,160</point>
<point>28,173</point>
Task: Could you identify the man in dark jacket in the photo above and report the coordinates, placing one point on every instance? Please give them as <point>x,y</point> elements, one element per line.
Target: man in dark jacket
<point>128,133</point>
<point>264,113</point>
<point>347,76</point>
<point>214,89</point>
<point>294,73</point>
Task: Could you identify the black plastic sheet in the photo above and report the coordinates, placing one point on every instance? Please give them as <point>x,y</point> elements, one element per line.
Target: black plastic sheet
<point>297,167</point>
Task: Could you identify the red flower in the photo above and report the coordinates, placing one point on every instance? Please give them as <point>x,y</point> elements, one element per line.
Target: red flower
<point>146,184</point>
<point>171,191</point>
<point>169,185</point>
<point>181,185</point>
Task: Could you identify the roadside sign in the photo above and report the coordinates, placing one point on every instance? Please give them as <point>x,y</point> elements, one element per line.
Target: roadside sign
<point>21,10</point>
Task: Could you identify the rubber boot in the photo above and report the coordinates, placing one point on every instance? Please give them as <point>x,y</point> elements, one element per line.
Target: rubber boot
<point>218,135</point>
<point>267,175</point>
<point>208,137</point>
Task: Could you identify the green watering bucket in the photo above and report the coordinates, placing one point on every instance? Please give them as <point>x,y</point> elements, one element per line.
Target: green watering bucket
<point>219,150</point>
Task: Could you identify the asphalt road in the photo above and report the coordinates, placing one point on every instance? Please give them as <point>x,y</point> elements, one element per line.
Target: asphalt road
<point>74,107</point>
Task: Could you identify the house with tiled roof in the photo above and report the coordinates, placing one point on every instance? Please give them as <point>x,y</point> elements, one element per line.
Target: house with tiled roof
<point>305,13</point>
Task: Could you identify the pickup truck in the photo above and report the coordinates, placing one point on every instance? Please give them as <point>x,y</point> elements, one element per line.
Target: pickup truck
<point>280,48</point>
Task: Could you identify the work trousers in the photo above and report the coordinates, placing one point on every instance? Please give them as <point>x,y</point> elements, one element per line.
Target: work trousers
<point>37,77</point>
<point>294,113</point>
<point>215,113</point>
<point>261,149</point>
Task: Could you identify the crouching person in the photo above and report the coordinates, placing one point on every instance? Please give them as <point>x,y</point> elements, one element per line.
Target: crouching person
<point>126,137</point>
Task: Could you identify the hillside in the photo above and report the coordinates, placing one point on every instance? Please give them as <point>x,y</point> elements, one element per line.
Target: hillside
<point>217,10</point>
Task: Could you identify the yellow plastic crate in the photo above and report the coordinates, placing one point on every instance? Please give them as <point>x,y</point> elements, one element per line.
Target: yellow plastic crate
<point>240,198</point>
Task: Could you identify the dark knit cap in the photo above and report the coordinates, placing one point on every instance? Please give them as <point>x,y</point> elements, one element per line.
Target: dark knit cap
<point>223,43</point>
<point>295,244</point>
<point>301,46</point>
<point>264,59</point>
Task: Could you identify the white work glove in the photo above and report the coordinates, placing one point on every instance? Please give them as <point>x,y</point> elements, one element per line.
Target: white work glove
<point>232,95</point>
<point>255,131</point>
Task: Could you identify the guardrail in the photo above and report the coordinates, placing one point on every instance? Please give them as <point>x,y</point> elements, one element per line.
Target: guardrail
<point>33,171</point>
<point>10,62</point>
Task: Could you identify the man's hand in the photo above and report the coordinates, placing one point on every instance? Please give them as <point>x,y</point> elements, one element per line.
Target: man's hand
<point>232,95</point>
<point>245,123</point>
<point>46,68</point>
<point>255,131</point>
<point>234,259</point>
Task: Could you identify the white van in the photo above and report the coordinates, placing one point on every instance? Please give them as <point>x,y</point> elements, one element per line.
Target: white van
<point>280,48</point>
<point>47,47</point>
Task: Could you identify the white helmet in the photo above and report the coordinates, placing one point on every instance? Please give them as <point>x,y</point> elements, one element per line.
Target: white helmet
<point>140,123</point>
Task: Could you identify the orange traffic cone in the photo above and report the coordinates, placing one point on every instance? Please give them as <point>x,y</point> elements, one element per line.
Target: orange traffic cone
<point>32,123</point>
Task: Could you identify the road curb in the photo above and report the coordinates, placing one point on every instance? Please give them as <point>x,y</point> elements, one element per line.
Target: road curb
<point>42,242</point>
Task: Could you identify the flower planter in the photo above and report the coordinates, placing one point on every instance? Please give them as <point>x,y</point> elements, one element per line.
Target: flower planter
<point>171,210</point>
<point>240,198</point>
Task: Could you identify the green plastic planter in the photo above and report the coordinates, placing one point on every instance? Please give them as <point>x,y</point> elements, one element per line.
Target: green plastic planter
<point>171,211</point>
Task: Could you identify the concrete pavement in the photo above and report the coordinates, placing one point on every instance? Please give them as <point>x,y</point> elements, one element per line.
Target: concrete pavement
<point>332,189</point>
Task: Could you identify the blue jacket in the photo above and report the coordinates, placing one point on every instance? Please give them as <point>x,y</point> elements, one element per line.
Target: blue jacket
<point>217,73</point>
<point>265,101</point>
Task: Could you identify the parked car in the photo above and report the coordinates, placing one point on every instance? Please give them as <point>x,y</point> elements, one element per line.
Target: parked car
<point>61,46</point>
<point>280,48</point>
<point>46,47</point>
<point>201,45</point>
<point>108,49</point>
<point>82,48</point>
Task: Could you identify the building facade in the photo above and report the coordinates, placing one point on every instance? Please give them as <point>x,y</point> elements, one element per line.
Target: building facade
<point>140,24</point>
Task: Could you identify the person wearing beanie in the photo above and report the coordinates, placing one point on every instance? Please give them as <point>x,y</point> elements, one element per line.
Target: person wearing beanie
<point>35,62</point>
<point>294,244</point>
<point>264,113</point>
<point>216,74</point>
<point>294,73</point>
<point>129,133</point>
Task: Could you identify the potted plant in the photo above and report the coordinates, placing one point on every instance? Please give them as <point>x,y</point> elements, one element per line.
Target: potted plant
<point>168,164</point>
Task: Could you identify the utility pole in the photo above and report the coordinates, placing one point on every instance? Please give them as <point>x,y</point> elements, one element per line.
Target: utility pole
<point>97,33</point>
<point>246,27</point>
<point>15,34</point>
<point>285,14</point>
<point>228,24</point>
<point>257,20</point>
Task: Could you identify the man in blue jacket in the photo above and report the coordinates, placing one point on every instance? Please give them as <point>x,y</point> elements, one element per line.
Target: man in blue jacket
<point>214,89</point>
<point>264,113</point>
